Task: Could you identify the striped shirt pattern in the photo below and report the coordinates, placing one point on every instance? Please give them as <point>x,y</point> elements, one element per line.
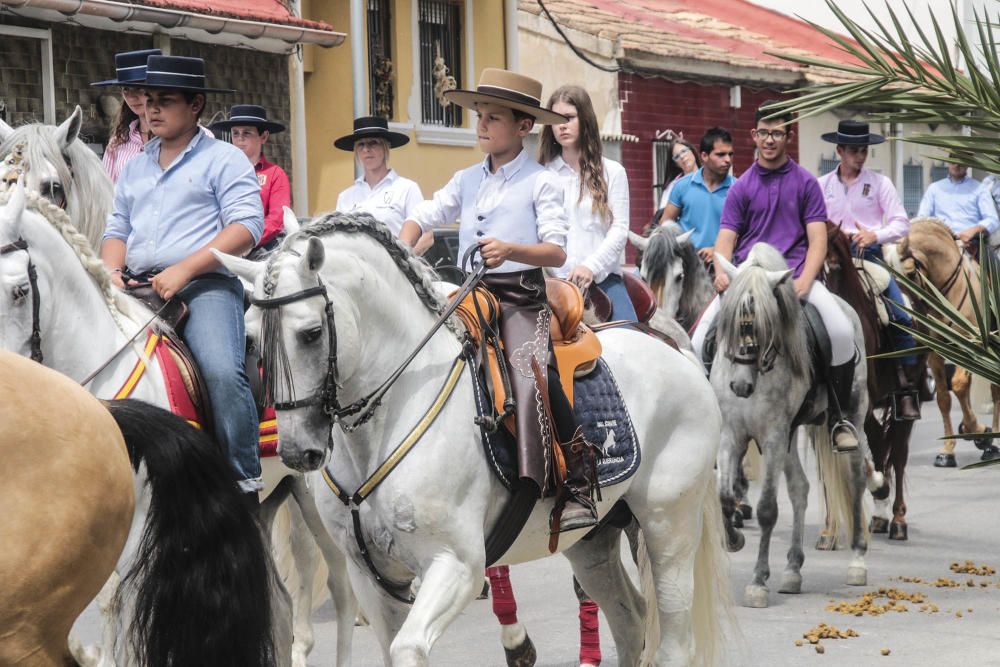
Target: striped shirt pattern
<point>116,154</point>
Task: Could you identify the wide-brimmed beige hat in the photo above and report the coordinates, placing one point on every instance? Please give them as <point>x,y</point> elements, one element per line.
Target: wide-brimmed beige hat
<point>516,91</point>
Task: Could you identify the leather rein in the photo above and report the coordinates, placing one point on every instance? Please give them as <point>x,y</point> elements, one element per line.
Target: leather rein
<point>920,270</point>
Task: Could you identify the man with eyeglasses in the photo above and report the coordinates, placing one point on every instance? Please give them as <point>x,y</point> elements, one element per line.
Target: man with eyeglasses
<point>696,200</point>
<point>779,203</point>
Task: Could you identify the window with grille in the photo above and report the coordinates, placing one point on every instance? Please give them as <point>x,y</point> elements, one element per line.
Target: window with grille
<point>827,164</point>
<point>380,66</point>
<point>913,187</point>
<point>661,158</point>
<point>939,172</point>
<point>440,57</point>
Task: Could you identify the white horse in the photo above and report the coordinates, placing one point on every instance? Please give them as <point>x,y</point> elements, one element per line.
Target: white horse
<point>346,279</point>
<point>83,321</point>
<point>762,377</point>
<point>56,164</point>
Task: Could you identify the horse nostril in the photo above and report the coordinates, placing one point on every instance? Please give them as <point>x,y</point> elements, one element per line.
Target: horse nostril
<point>313,458</point>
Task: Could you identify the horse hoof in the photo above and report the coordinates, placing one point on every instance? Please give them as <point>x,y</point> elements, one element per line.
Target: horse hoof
<point>485,593</point>
<point>522,656</point>
<point>857,576</point>
<point>945,461</point>
<point>746,511</point>
<point>990,453</point>
<point>736,543</point>
<point>897,531</point>
<point>791,582</point>
<point>826,542</point>
<point>985,444</point>
<point>879,525</point>
<point>737,520</point>
<point>755,597</point>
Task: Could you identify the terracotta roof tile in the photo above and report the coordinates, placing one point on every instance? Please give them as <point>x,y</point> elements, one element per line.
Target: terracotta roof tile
<point>264,11</point>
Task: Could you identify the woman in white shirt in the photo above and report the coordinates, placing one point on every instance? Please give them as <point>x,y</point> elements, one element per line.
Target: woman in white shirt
<point>596,198</point>
<point>380,191</point>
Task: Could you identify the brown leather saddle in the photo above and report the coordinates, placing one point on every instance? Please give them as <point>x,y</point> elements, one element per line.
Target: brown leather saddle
<point>642,297</point>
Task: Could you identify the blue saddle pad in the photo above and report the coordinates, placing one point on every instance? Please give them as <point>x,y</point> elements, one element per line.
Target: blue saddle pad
<point>599,409</point>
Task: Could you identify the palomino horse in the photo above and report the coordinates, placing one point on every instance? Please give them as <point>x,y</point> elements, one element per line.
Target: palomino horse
<point>345,303</point>
<point>57,305</point>
<point>69,500</point>
<point>888,437</point>
<point>57,165</point>
<point>763,377</point>
<point>930,253</point>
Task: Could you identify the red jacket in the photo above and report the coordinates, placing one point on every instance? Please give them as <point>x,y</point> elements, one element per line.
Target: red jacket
<point>275,192</point>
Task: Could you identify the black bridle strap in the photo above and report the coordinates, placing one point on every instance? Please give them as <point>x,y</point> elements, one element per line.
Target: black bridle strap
<point>35,340</point>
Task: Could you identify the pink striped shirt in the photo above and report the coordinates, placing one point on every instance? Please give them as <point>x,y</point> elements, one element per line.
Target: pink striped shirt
<point>116,154</point>
<point>871,200</point>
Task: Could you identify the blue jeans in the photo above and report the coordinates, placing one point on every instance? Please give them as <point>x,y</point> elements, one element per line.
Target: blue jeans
<point>901,340</point>
<point>215,333</point>
<point>621,304</point>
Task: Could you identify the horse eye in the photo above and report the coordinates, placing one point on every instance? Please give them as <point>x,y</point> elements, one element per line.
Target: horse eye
<point>679,277</point>
<point>53,191</point>
<point>20,292</point>
<point>311,335</point>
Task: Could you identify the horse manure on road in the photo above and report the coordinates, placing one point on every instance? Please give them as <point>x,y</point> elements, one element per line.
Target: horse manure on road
<point>968,567</point>
<point>870,604</point>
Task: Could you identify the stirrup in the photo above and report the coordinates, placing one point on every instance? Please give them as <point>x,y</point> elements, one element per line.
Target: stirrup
<point>849,427</point>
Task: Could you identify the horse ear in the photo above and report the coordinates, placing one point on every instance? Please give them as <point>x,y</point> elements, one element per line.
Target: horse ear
<point>727,266</point>
<point>775,278</point>
<point>291,221</point>
<point>10,215</point>
<point>243,268</point>
<point>70,128</point>
<point>5,131</point>
<point>685,237</point>
<point>313,258</point>
<point>640,242</point>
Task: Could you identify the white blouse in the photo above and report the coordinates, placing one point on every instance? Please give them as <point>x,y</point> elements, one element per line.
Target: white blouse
<point>391,201</point>
<point>591,242</point>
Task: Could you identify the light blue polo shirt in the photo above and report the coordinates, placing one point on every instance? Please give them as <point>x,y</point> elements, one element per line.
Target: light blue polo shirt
<point>701,210</point>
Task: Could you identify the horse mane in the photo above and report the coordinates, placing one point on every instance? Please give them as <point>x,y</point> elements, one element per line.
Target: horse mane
<point>89,191</point>
<point>418,272</point>
<point>662,249</point>
<point>776,313</point>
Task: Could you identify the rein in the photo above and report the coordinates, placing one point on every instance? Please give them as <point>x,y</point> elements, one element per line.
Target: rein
<point>951,280</point>
<point>36,300</point>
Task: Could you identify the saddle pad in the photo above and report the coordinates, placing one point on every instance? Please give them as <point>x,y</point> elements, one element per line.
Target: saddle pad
<point>599,409</point>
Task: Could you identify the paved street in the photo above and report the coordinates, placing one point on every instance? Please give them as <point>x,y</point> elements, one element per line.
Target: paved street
<point>952,518</point>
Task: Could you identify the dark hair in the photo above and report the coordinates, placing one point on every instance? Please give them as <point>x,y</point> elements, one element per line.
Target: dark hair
<point>763,112</point>
<point>588,143</point>
<point>672,171</point>
<point>712,135</point>
<point>521,115</point>
<point>125,117</point>
<point>190,96</point>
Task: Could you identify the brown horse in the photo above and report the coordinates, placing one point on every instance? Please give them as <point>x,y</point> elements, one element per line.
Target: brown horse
<point>888,437</point>
<point>931,254</point>
<point>68,500</point>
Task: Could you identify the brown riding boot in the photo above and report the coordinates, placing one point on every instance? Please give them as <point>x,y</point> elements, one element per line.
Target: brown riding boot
<point>907,405</point>
<point>577,494</point>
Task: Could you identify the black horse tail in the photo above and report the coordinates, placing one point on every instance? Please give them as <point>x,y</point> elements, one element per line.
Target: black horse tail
<point>201,580</point>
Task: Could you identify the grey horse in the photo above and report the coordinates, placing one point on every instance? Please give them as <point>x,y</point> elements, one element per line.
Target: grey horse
<point>763,378</point>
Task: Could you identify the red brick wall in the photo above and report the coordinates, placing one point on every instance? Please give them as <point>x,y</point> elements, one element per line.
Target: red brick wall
<point>655,104</point>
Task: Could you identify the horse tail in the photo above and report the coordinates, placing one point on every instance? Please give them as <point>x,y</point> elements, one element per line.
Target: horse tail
<point>201,580</point>
<point>834,474</point>
<point>712,614</point>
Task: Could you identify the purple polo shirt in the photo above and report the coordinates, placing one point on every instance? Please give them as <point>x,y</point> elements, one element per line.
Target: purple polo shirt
<point>774,206</point>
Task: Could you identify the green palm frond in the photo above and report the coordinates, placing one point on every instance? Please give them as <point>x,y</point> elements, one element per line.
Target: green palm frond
<point>916,81</point>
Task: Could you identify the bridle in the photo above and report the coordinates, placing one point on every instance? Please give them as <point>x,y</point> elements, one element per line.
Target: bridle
<point>919,268</point>
<point>35,340</point>
<point>748,352</point>
<point>16,166</point>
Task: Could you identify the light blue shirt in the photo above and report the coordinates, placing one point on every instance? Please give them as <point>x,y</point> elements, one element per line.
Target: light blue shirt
<point>166,215</point>
<point>962,205</point>
<point>701,210</point>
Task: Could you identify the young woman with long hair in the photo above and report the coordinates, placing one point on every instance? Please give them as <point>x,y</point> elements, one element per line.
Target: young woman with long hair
<point>596,198</point>
<point>130,134</point>
<point>684,159</point>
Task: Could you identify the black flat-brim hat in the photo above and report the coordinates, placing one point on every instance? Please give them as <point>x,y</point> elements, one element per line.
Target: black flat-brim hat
<point>371,127</point>
<point>130,68</point>
<point>248,114</point>
<point>852,133</point>
<point>507,89</point>
<point>178,73</point>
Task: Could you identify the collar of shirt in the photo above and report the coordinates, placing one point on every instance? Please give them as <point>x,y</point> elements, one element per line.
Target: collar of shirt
<point>134,133</point>
<point>558,164</point>
<point>698,177</point>
<point>389,178</point>
<point>262,163</point>
<point>152,149</point>
<point>783,169</point>
<point>508,170</point>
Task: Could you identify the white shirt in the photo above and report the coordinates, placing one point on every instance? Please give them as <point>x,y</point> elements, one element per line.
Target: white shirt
<point>521,203</point>
<point>591,242</point>
<point>391,202</point>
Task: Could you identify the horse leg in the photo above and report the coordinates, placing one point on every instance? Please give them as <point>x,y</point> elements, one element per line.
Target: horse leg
<point>798,493</point>
<point>597,565</point>
<point>731,453</point>
<point>590,635</point>
<point>345,605</point>
<point>900,453</point>
<point>943,396</point>
<point>756,592</point>
<point>961,384</point>
<point>385,615</point>
<point>517,645</point>
<point>448,585</point>
<point>857,571</point>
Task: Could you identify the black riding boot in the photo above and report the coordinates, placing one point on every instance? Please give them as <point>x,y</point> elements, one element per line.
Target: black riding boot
<point>840,383</point>
<point>577,494</point>
<point>907,402</point>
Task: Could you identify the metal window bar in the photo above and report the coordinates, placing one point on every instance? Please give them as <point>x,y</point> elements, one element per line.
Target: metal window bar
<point>827,164</point>
<point>440,35</point>
<point>380,87</point>
<point>913,187</point>
<point>661,157</point>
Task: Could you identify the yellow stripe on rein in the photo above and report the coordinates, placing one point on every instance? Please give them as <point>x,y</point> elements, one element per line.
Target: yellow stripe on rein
<point>140,368</point>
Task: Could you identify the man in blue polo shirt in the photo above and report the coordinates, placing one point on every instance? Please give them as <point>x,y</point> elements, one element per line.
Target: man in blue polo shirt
<point>696,200</point>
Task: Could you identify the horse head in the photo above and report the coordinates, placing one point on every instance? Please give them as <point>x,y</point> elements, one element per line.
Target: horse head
<point>19,293</point>
<point>667,266</point>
